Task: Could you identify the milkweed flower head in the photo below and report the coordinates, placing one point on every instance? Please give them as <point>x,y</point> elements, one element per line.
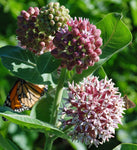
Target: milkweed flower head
<point>29,35</point>
<point>52,17</point>
<point>37,27</point>
<point>95,109</point>
<point>78,44</point>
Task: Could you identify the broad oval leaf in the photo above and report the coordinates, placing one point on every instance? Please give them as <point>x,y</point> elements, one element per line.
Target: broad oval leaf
<point>27,121</point>
<point>23,64</point>
<point>126,146</point>
<point>115,37</point>
<point>47,63</point>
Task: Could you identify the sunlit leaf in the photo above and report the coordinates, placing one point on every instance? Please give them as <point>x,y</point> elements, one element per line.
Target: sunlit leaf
<point>77,145</point>
<point>27,121</point>
<point>23,64</point>
<point>126,146</point>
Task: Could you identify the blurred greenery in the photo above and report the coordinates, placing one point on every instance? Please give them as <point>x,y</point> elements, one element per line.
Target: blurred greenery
<point>122,67</point>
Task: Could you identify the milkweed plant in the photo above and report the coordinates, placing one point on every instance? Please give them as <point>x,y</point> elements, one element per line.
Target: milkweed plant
<point>64,54</point>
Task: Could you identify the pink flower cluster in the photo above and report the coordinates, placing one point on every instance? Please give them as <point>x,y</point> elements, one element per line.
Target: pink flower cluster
<point>27,32</point>
<point>95,109</point>
<point>78,45</point>
<point>75,42</point>
<point>36,27</point>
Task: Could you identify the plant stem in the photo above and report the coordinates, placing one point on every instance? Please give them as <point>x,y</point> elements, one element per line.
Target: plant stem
<point>56,104</point>
<point>58,96</point>
<point>49,142</point>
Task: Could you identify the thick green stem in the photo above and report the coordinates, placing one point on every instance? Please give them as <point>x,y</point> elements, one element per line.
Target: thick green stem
<point>58,97</point>
<point>49,142</point>
<point>56,104</point>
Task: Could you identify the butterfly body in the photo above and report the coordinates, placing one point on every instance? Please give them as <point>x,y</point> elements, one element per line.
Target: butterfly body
<point>23,95</point>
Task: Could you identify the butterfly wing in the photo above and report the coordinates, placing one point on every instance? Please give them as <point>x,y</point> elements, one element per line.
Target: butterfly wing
<point>12,100</point>
<point>23,95</point>
<point>128,102</point>
<point>29,94</point>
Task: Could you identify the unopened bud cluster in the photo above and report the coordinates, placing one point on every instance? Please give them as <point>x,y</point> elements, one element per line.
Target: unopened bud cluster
<point>36,27</point>
<point>75,42</point>
<point>78,45</point>
<point>27,32</point>
<point>52,17</point>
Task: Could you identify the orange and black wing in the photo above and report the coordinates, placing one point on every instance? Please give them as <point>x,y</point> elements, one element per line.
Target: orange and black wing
<point>23,95</point>
<point>12,100</point>
<point>29,93</point>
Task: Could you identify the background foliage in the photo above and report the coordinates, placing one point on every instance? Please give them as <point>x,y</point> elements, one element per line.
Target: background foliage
<point>122,67</point>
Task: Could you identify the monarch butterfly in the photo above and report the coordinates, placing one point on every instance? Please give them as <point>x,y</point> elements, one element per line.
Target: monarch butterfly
<point>23,95</point>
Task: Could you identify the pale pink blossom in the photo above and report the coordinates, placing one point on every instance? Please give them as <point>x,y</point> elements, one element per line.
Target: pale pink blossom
<point>94,109</point>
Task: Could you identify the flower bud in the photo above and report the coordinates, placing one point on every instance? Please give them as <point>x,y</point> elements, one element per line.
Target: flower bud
<point>31,10</point>
<point>98,42</point>
<point>75,32</point>
<point>52,22</point>
<point>98,51</point>
<point>52,16</point>
<point>36,13</point>
<point>42,44</point>
<point>25,14</point>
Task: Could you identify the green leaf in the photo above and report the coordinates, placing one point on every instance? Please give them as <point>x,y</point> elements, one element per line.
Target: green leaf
<point>7,144</point>
<point>47,63</point>
<point>42,109</point>
<point>115,37</point>
<point>27,121</point>
<point>23,64</point>
<point>133,6</point>
<point>77,145</point>
<point>55,76</point>
<point>126,146</point>
<point>100,72</point>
